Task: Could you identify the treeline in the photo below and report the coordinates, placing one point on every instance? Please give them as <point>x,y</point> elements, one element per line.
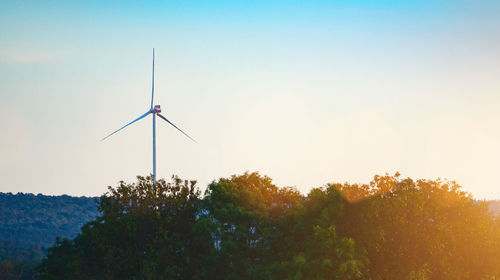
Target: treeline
<point>28,220</point>
<point>245,227</point>
<point>19,263</point>
<point>29,224</point>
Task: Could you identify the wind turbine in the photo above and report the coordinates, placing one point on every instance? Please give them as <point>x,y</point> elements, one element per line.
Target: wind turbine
<point>156,110</point>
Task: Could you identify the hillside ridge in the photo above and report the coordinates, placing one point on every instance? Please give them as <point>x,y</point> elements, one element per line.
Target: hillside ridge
<point>28,220</point>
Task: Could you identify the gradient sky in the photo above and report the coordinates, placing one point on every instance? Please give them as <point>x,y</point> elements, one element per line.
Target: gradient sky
<point>307,92</point>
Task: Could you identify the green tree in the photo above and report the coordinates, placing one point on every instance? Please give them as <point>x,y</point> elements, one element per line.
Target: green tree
<point>144,232</point>
<point>245,227</point>
<point>264,232</point>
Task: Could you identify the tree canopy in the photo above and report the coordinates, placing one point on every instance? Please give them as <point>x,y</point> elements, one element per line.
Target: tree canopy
<point>245,227</point>
<point>28,220</point>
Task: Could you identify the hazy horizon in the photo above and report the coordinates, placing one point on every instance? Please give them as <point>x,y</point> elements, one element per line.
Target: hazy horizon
<point>306,93</point>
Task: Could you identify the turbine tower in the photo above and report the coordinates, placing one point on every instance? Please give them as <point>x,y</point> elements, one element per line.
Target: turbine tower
<point>153,110</point>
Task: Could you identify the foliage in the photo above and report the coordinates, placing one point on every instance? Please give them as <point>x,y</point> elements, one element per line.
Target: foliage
<point>245,227</point>
<point>30,223</point>
<point>10,253</point>
<point>17,270</point>
<point>143,232</point>
<point>264,232</point>
<point>28,220</point>
<point>423,229</point>
<point>18,263</point>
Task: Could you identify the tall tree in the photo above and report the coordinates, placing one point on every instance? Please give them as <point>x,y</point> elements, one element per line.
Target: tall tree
<point>426,229</point>
<point>264,232</point>
<point>144,232</point>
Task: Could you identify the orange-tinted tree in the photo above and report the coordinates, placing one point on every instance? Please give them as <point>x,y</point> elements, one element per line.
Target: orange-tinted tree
<point>425,229</point>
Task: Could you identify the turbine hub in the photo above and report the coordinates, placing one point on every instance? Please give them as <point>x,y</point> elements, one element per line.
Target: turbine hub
<point>156,109</point>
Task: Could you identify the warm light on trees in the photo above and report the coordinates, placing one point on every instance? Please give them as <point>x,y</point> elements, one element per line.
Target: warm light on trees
<point>245,227</point>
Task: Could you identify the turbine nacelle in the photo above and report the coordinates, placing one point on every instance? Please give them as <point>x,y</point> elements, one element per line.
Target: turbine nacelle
<point>156,109</point>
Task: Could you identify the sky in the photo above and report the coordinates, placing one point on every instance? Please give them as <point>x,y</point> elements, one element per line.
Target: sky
<point>306,92</point>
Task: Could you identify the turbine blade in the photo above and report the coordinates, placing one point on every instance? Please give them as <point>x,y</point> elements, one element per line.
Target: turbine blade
<point>176,127</point>
<point>153,81</point>
<point>141,117</point>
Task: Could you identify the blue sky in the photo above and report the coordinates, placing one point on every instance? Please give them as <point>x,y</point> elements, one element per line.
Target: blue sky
<point>305,92</point>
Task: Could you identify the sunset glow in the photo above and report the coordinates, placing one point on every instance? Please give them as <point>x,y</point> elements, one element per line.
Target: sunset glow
<point>307,93</point>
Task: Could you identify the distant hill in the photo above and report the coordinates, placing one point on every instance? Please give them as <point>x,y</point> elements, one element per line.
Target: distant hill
<point>28,220</point>
<point>29,224</point>
<point>494,206</point>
